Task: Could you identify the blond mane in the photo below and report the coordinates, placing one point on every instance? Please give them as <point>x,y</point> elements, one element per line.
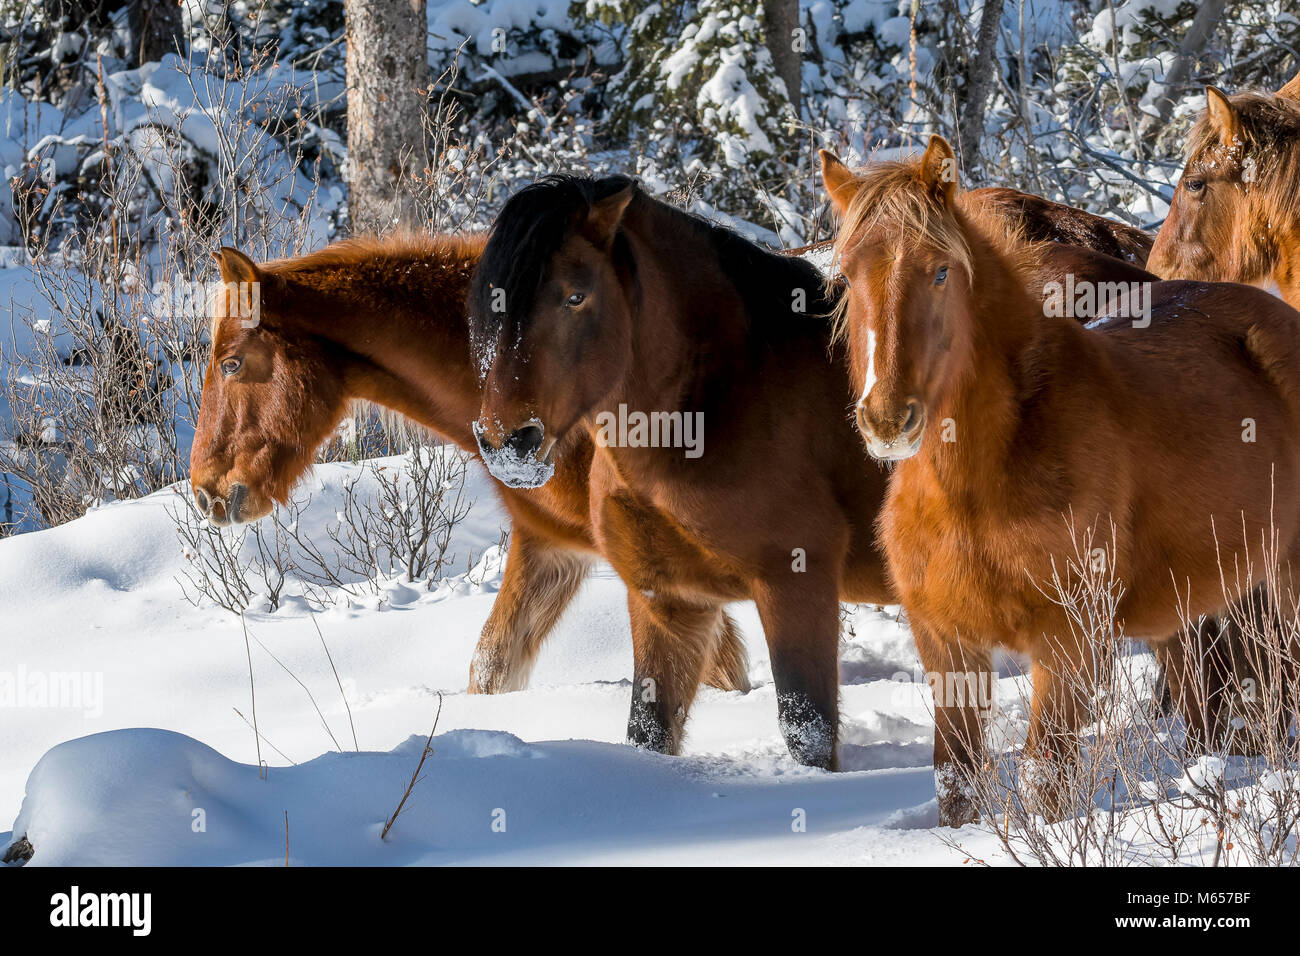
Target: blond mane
<point>892,195</point>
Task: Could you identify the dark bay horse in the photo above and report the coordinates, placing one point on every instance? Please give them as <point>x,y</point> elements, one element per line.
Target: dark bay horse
<point>1235,216</point>
<point>384,322</point>
<point>1173,436</point>
<point>595,303</point>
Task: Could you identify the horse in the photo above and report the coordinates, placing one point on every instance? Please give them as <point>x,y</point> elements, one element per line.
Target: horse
<point>592,299</point>
<point>1234,216</point>
<point>383,321</point>
<point>1012,432</point>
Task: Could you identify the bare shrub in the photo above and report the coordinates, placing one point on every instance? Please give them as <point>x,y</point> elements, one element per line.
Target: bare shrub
<point>1139,783</point>
<point>395,520</point>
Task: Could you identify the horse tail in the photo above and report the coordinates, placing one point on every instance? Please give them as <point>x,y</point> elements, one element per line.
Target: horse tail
<point>728,666</point>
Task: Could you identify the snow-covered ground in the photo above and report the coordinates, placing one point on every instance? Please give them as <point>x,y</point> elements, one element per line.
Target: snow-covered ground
<point>126,737</point>
<point>93,608</point>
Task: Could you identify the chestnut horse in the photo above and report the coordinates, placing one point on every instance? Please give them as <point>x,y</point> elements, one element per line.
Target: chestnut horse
<point>1173,436</point>
<point>384,322</point>
<point>594,303</point>
<point>1235,216</point>
<point>1133,430</point>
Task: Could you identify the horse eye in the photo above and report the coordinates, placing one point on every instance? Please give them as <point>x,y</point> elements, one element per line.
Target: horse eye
<point>575,300</point>
<point>941,275</point>
<point>231,365</point>
<point>1194,185</point>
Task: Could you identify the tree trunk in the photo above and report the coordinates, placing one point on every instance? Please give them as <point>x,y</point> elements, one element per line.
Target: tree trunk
<point>155,26</point>
<point>1198,34</point>
<point>782,17</point>
<point>979,80</point>
<point>387,68</point>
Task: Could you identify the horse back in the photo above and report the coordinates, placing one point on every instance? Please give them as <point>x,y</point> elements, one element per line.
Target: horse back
<point>1041,220</point>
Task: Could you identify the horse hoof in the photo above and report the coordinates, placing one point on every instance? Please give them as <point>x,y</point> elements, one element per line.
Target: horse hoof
<point>957,811</point>
<point>479,682</point>
<point>956,797</point>
<point>1043,789</point>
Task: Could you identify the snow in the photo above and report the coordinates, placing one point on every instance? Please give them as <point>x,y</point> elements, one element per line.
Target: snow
<point>105,784</point>
<point>127,730</point>
<point>512,469</point>
<point>487,797</point>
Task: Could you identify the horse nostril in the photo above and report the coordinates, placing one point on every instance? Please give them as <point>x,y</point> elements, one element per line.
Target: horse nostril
<point>860,414</point>
<point>205,503</point>
<point>235,500</point>
<point>525,441</point>
<point>913,416</point>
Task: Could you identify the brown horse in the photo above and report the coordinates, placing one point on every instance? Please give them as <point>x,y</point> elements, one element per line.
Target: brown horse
<point>1235,216</point>
<point>384,322</point>
<point>595,303</point>
<point>1171,435</point>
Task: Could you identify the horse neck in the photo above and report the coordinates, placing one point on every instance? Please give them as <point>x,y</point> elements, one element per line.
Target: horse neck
<point>689,319</point>
<point>405,338</point>
<point>1000,325</point>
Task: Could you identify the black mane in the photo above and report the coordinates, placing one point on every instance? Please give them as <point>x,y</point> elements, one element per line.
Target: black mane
<point>535,222</point>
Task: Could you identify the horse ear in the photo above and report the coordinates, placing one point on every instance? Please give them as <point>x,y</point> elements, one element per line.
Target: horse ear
<point>1223,117</point>
<point>605,214</point>
<point>1291,91</point>
<point>939,169</point>
<point>235,266</point>
<point>841,185</point>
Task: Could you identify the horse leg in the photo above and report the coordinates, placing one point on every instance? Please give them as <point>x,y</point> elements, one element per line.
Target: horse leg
<point>1236,681</point>
<point>1063,680</point>
<point>950,666</point>
<point>1162,699</point>
<point>1198,666</point>
<point>802,626</point>
<point>671,641</point>
<point>728,666</point>
<point>540,581</point>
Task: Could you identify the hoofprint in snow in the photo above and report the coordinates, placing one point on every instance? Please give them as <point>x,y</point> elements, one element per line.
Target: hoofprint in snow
<point>100,645</point>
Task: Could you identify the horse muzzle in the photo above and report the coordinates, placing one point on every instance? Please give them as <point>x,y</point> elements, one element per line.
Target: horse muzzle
<point>223,511</point>
<point>524,459</point>
<point>897,450</point>
<point>906,440</point>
